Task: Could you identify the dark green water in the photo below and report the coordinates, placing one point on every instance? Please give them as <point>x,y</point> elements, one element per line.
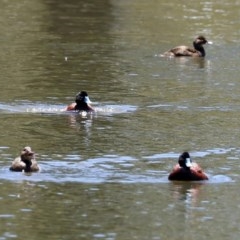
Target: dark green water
<point>104,176</point>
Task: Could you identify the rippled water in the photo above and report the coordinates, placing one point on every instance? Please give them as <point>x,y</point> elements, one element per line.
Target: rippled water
<point>104,175</point>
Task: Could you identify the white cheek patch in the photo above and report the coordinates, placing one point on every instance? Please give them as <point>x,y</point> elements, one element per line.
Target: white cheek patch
<point>87,100</point>
<point>188,162</point>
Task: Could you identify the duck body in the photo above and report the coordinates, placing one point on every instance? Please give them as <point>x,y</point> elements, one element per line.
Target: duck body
<point>82,103</point>
<point>186,170</point>
<point>185,51</point>
<point>26,162</point>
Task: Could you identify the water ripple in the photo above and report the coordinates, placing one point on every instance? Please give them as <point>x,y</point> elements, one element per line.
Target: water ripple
<point>109,168</point>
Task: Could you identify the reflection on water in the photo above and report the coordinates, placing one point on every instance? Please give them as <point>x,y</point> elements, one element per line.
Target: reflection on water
<point>187,192</point>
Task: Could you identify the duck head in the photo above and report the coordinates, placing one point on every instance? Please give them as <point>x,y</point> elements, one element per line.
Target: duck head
<point>198,44</point>
<point>27,155</point>
<point>82,97</point>
<point>199,41</point>
<point>185,160</point>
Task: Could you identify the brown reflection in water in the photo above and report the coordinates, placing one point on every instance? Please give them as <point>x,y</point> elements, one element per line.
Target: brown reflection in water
<point>82,124</point>
<point>187,191</point>
<point>187,206</point>
<point>196,62</point>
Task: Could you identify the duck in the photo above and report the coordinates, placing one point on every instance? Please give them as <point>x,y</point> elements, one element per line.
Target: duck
<point>185,51</point>
<point>82,103</point>
<point>186,170</point>
<point>26,162</point>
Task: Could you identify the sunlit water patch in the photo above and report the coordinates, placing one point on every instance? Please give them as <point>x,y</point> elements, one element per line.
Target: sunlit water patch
<point>193,154</point>
<point>98,170</point>
<point>108,168</point>
<point>29,107</point>
<point>189,106</point>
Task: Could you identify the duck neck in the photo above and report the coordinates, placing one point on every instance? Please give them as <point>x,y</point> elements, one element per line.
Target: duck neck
<point>81,106</point>
<point>187,168</point>
<point>28,165</point>
<point>199,48</point>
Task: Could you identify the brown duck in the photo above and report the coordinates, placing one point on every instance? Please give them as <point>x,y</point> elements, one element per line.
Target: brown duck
<point>82,103</point>
<point>185,51</point>
<point>186,170</point>
<point>25,162</point>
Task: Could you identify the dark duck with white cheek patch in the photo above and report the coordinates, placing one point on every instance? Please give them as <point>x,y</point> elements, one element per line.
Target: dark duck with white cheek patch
<point>185,51</point>
<point>186,170</point>
<point>26,162</point>
<point>82,103</point>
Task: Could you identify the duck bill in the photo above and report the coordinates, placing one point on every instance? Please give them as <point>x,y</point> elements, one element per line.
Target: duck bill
<point>87,100</point>
<point>188,162</point>
<point>209,42</point>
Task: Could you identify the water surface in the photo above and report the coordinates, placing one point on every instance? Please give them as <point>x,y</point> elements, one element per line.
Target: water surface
<point>104,175</point>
